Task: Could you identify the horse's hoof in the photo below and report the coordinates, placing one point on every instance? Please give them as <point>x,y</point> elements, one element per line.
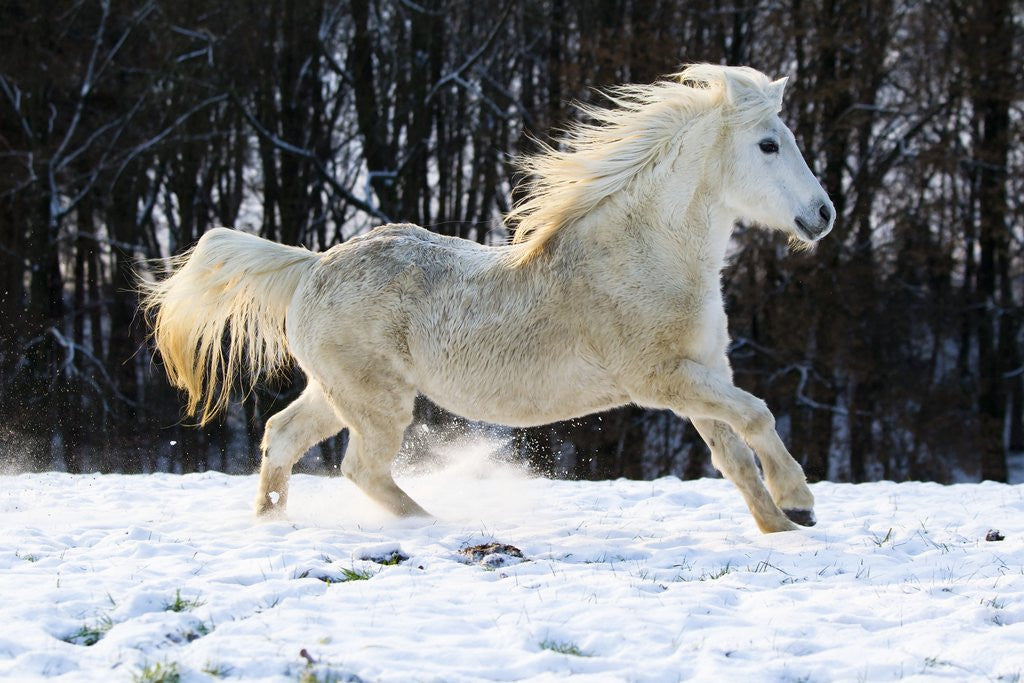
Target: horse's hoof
<point>269,513</point>
<point>802,517</point>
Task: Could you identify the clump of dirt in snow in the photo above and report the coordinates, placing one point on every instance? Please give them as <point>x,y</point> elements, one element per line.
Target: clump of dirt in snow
<point>493,555</point>
<point>994,535</point>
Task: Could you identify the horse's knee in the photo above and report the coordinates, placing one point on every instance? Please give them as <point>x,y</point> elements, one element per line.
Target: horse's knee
<point>291,432</point>
<point>758,419</point>
<point>275,443</point>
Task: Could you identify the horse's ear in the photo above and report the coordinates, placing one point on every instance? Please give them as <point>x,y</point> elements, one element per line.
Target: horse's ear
<point>735,87</point>
<point>776,90</point>
<point>741,91</point>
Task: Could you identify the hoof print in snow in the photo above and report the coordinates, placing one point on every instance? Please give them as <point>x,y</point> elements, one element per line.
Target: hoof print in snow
<point>994,535</point>
<point>493,555</point>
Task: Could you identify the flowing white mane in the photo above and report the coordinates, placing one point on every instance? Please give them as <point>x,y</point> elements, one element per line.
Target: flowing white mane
<point>600,158</point>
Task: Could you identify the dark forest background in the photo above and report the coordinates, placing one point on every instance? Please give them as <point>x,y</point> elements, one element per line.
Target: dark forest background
<point>129,128</point>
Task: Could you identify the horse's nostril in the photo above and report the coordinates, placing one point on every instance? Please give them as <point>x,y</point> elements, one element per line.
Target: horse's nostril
<point>825,212</point>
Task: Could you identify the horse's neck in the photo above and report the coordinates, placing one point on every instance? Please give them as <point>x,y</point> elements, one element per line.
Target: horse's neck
<point>695,238</point>
<point>689,222</point>
<point>661,237</point>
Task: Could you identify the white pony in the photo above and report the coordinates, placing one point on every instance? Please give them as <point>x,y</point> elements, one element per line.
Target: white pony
<point>609,294</point>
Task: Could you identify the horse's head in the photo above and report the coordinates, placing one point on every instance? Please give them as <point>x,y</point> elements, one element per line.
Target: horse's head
<point>765,178</point>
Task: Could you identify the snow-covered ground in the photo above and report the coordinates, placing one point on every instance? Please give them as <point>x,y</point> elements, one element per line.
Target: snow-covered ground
<point>622,581</point>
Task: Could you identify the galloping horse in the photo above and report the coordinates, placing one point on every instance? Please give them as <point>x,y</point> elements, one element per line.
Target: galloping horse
<point>609,294</point>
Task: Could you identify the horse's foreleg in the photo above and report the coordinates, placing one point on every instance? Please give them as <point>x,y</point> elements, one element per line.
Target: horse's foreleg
<point>288,435</point>
<point>698,391</point>
<point>735,461</point>
<point>787,482</point>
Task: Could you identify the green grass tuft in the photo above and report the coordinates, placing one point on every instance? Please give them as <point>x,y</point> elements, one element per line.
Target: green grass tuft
<point>563,647</point>
<point>356,574</point>
<point>881,541</point>
<point>90,634</point>
<point>718,573</point>
<point>310,675</point>
<point>217,670</point>
<point>158,673</point>
<point>391,559</point>
<point>181,605</point>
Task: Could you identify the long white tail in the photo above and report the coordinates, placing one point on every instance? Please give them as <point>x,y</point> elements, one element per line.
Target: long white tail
<point>221,314</point>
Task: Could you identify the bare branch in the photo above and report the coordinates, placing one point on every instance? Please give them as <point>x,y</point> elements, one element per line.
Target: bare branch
<point>156,139</point>
<point>472,59</point>
<point>83,94</point>
<point>71,349</point>
<point>14,95</point>
<point>307,154</point>
<point>416,7</point>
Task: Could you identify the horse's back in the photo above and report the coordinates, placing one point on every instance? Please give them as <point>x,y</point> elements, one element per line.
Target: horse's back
<point>385,290</point>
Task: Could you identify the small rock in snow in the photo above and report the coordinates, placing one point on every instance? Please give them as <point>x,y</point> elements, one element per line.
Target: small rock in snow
<point>994,535</point>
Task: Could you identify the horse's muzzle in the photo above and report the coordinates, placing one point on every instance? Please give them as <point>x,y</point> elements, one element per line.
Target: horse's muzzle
<point>815,224</point>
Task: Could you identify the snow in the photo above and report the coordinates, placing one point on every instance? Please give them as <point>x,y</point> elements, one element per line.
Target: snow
<point>619,581</point>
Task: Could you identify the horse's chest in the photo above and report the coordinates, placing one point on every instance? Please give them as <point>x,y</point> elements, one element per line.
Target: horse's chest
<point>697,328</point>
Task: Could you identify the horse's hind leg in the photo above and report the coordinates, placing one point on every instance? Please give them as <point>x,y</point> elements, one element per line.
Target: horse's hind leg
<point>372,449</point>
<point>288,435</point>
<point>735,461</point>
<point>376,428</point>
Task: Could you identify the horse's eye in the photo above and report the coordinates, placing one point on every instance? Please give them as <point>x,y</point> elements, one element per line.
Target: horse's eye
<point>769,146</point>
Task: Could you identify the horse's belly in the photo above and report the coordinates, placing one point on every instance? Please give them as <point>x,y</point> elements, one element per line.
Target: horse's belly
<point>522,413</point>
<point>523,399</point>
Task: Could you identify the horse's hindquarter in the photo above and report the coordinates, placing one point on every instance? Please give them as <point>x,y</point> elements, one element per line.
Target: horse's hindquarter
<point>453,321</point>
